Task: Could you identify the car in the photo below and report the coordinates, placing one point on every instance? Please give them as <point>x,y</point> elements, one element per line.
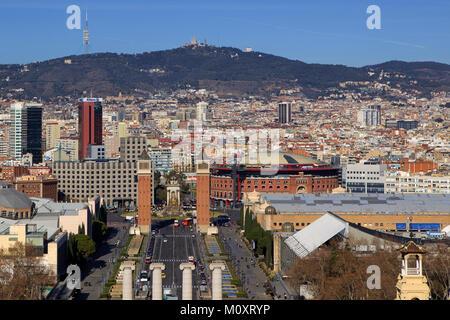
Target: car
<point>165,240</point>
<point>203,282</point>
<point>147,259</point>
<point>193,236</point>
<point>144,276</point>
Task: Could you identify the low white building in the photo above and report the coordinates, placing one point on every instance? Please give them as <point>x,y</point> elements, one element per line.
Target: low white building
<point>404,182</point>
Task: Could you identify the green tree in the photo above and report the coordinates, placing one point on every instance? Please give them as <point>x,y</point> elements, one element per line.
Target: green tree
<point>81,229</point>
<point>102,213</point>
<point>241,217</point>
<point>85,246</point>
<point>157,178</point>
<point>160,194</point>
<point>99,230</point>
<point>72,248</point>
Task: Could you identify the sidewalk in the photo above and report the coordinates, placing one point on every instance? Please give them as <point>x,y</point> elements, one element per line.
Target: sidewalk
<point>101,266</point>
<point>251,275</point>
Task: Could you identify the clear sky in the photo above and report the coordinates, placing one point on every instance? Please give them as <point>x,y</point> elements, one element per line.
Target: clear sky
<point>313,31</point>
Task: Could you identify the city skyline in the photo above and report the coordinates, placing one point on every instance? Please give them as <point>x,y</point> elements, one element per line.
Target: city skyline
<point>333,33</point>
<point>248,152</point>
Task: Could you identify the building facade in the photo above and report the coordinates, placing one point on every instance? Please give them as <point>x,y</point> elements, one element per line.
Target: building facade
<point>131,147</point>
<point>90,124</point>
<point>364,177</point>
<point>404,182</point>
<point>52,134</point>
<point>37,186</point>
<point>162,159</point>
<point>67,149</point>
<point>115,180</point>
<point>18,130</point>
<point>284,112</point>
<point>385,213</point>
<point>370,116</point>
<point>222,186</point>
<point>34,131</point>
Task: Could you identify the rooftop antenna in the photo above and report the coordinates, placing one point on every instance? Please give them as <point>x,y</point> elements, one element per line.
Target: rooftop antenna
<point>86,34</point>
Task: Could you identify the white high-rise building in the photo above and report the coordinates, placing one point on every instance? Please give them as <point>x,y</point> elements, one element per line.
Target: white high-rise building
<point>18,130</point>
<point>202,110</point>
<point>370,116</point>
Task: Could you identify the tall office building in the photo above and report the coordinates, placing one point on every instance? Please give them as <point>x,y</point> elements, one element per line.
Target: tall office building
<point>25,135</point>
<point>284,112</point>
<point>17,130</point>
<point>90,124</point>
<point>370,116</point>
<point>34,131</point>
<point>202,110</point>
<point>52,134</point>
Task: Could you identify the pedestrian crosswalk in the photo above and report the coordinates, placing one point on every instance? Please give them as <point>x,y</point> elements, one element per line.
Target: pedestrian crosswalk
<point>177,286</point>
<point>169,260</point>
<point>174,236</point>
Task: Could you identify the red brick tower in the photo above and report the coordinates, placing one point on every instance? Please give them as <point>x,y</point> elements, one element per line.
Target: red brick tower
<point>203,191</point>
<point>145,192</point>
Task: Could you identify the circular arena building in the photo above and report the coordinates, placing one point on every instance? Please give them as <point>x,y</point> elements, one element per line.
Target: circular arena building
<point>292,173</point>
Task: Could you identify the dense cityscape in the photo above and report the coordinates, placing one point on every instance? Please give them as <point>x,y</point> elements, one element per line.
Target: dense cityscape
<point>192,193</point>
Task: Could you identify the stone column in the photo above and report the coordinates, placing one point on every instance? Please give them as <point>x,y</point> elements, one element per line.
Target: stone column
<point>157,280</point>
<point>216,268</point>
<point>187,268</point>
<point>127,284</point>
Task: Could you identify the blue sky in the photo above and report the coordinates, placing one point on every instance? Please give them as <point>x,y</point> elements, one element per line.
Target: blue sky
<point>313,31</point>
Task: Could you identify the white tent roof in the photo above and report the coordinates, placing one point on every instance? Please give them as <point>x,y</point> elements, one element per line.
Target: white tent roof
<point>317,233</point>
<point>446,230</point>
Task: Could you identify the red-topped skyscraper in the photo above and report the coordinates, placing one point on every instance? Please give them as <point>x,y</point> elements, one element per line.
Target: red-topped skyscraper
<point>90,126</point>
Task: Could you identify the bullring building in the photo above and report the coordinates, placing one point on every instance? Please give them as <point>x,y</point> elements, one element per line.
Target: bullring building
<point>293,174</point>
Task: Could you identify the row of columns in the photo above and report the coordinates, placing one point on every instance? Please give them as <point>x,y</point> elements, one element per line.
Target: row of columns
<point>187,268</point>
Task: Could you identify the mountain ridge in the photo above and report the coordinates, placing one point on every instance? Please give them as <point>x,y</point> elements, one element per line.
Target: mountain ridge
<point>222,69</point>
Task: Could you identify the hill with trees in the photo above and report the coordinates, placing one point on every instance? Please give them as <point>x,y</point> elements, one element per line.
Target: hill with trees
<point>225,70</point>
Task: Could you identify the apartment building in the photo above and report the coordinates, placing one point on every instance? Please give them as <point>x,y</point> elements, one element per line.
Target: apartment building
<point>405,182</point>
<point>162,159</point>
